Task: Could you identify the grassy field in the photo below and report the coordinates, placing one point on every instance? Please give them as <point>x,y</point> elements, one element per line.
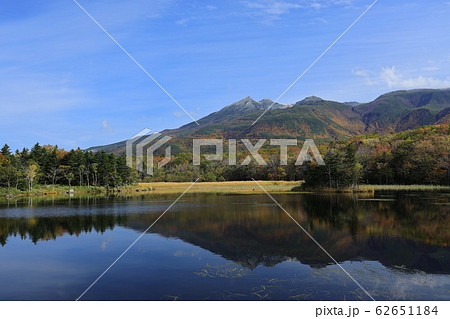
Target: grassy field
<point>245,187</point>
<point>412,188</point>
<point>39,190</point>
<point>242,187</point>
<point>375,188</point>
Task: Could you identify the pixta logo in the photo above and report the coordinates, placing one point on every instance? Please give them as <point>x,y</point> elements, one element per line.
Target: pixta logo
<point>149,142</point>
<point>309,148</point>
<point>143,146</point>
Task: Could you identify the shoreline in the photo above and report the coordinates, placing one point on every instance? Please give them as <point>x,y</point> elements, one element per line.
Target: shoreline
<point>234,187</point>
<point>241,187</point>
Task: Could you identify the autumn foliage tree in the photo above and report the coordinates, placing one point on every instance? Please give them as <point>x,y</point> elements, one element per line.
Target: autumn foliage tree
<point>419,156</point>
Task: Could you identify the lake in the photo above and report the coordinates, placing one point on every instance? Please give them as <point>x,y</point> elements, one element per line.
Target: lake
<point>226,247</point>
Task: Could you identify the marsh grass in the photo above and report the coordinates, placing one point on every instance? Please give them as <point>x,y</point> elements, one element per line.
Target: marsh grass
<point>344,190</point>
<point>39,190</point>
<point>237,187</point>
<point>229,270</point>
<point>241,187</point>
<point>411,188</point>
<point>374,188</point>
<point>50,190</point>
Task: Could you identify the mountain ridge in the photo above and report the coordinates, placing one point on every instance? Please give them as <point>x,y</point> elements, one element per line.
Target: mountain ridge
<point>313,117</point>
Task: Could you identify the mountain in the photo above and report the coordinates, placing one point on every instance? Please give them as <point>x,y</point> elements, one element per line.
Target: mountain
<point>227,114</point>
<point>403,110</point>
<point>314,118</point>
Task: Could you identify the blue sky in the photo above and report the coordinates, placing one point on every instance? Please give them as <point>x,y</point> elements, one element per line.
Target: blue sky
<point>64,82</point>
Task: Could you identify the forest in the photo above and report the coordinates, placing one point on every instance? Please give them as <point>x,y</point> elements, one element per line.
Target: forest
<point>50,165</point>
<point>419,156</point>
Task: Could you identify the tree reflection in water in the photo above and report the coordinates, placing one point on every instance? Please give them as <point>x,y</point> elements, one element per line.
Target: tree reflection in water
<point>405,231</point>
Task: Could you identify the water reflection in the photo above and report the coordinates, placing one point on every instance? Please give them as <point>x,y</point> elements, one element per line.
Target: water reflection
<point>405,232</point>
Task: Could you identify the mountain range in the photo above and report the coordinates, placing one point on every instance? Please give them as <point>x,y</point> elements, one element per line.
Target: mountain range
<point>313,117</point>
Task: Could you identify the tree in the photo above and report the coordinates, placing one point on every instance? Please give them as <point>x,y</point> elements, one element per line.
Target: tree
<point>9,174</point>
<point>30,172</point>
<point>6,151</point>
<point>81,170</point>
<point>66,171</point>
<point>53,175</point>
<point>94,168</point>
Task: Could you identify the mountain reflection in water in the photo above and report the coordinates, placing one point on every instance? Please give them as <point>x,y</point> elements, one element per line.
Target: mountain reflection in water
<point>408,232</point>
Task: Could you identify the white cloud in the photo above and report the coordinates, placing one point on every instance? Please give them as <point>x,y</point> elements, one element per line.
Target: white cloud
<point>183,21</point>
<point>107,127</point>
<point>431,68</point>
<point>188,20</point>
<point>182,114</point>
<point>396,80</point>
<point>272,7</point>
<point>178,114</point>
<point>365,74</point>
<point>275,8</point>
<point>361,72</point>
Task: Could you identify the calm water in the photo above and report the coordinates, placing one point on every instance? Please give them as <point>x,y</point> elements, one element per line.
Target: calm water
<point>227,247</point>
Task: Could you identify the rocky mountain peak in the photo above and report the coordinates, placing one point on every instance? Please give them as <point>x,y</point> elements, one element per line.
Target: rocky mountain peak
<point>309,100</point>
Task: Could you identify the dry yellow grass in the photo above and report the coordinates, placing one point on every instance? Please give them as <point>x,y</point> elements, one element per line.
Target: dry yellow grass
<point>243,187</point>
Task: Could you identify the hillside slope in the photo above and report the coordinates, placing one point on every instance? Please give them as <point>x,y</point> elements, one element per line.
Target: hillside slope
<point>403,110</point>
<point>314,118</point>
